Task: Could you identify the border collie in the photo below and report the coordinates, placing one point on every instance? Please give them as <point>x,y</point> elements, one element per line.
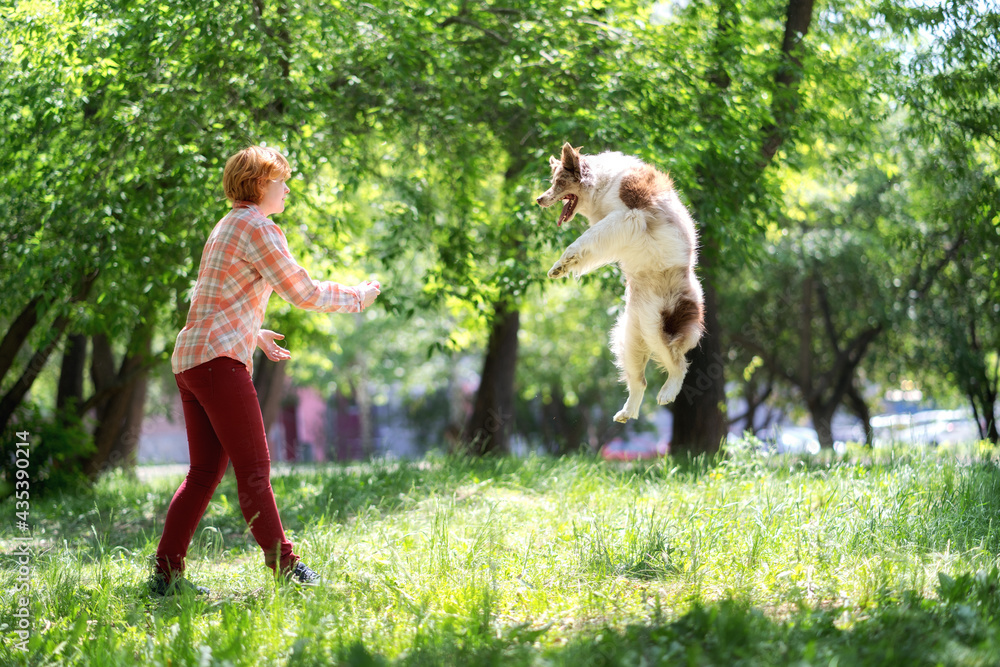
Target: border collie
<point>637,220</point>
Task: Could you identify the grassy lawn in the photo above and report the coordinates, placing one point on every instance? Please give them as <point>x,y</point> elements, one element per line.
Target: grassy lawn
<point>870,558</point>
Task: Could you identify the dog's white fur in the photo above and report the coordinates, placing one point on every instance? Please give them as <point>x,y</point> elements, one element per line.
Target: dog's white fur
<point>637,220</point>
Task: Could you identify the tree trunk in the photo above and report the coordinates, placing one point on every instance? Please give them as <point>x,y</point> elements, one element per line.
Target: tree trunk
<point>102,367</point>
<point>755,400</point>
<point>700,422</point>
<point>822,419</point>
<point>991,421</point>
<point>74,363</point>
<point>550,426</point>
<point>991,429</point>
<point>15,395</point>
<point>983,398</point>
<point>290,429</point>
<point>125,449</point>
<point>362,395</point>
<point>991,402</point>
<point>860,408</point>
<point>16,334</point>
<point>120,412</point>
<point>111,415</point>
<point>785,101</point>
<point>980,387</point>
<point>805,332</point>
<point>568,429</point>
<point>11,344</point>
<point>489,427</point>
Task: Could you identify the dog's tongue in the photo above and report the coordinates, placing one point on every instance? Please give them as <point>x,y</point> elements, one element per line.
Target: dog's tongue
<point>564,216</point>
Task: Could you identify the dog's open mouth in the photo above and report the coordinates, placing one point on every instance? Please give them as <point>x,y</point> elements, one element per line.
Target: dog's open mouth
<point>568,208</point>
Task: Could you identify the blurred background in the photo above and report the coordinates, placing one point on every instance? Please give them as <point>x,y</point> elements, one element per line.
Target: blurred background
<point>839,157</point>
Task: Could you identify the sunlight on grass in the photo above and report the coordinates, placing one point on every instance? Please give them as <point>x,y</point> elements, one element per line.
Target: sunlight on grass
<point>541,561</point>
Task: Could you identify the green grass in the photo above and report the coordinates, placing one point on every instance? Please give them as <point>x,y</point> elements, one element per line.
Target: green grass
<point>872,558</point>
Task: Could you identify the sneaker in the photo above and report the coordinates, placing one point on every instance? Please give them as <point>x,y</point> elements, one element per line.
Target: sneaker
<point>302,575</point>
<point>158,585</point>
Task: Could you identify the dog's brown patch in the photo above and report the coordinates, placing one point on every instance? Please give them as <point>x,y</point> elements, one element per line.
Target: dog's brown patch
<point>640,186</point>
<point>688,314</point>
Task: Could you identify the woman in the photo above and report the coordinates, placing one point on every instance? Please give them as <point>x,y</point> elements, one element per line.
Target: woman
<point>245,258</point>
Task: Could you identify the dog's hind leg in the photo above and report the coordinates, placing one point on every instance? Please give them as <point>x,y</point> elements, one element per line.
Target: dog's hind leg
<point>679,330</point>
<point>631,356</point>
<point>676,365</point>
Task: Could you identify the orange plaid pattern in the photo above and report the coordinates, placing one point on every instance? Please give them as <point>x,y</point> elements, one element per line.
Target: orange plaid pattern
<point>245,259</point>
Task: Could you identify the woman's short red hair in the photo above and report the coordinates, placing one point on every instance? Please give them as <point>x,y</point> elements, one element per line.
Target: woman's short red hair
<point>247,171</point>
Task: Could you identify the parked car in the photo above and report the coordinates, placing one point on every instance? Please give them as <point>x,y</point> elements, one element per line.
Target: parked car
<point>797,440</point>
<point>789,439</point>
<point>927,427</point>
<point>638,447</point>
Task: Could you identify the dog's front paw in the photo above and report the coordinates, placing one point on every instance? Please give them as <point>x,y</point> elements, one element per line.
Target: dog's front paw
<point>563,266</point>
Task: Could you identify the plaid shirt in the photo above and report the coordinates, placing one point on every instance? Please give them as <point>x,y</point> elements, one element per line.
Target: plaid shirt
<point>245,259</point>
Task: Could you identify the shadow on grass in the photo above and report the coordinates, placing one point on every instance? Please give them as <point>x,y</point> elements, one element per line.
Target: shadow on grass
<point>121,512</point>
<point>959,512</point>
<point>961,628</point>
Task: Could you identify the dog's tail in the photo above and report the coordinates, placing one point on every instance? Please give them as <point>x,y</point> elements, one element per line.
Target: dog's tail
<point>685,319</point>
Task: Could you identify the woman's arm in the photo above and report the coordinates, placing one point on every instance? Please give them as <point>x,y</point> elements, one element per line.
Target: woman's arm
<point>268,252</point>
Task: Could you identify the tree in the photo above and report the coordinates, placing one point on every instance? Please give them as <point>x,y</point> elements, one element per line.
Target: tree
<point>845,273</point>
<point>699,423</point>
<point>951,85</point>
<point>493,88</point>
<point>958,336</point>
<point>726,97</point>
<point>121,117</point>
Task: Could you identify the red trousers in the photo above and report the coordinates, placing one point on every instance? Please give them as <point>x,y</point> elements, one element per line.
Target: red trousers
<point>223,423</point>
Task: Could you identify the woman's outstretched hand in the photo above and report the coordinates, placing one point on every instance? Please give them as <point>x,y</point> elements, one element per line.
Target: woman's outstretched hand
<point>369,290</point>
<point>274,352</point>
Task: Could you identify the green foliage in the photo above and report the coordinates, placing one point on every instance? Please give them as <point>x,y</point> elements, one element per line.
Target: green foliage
<point>57,445</point>
<point>950,83</point>
<point>962,305</point>
<point>950,86</point>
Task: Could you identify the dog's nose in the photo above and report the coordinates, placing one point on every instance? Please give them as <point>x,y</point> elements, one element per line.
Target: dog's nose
<point>538,201</point>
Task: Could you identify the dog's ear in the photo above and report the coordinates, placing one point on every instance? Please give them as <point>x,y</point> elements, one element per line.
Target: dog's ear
<point>570,159</point>
<point>553,162</point>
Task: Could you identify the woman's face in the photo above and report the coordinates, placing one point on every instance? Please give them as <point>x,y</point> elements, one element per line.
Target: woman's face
<point>273,200</point>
